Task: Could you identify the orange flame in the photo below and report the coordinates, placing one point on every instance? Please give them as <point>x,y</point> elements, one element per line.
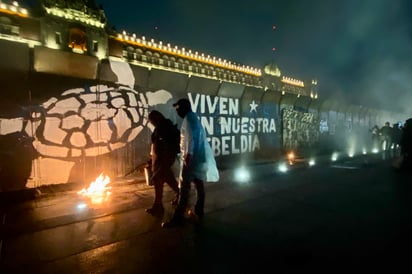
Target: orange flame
<point>98,191</point>
<point>291,157</point>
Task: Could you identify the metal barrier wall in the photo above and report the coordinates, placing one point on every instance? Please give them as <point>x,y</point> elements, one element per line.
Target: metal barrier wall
<point>95,119</point>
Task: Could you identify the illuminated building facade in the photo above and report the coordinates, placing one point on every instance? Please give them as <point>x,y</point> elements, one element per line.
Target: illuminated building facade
<point>79,93</point>
<point>73,26</point>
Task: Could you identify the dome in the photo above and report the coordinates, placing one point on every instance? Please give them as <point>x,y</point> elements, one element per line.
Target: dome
<point>272,69</point>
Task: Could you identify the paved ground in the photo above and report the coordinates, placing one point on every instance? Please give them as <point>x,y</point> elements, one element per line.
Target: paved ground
<point>350,215</point>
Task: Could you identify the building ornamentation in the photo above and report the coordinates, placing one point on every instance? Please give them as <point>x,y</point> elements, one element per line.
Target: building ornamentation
<point>80,26</point>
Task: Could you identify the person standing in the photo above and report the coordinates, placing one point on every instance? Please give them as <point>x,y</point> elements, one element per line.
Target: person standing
<point>386,132</point>
<point>375,137</point>
<point>197,163</point>
<point>165,147</point>
<point>396,138</point>
<point>406,145</point>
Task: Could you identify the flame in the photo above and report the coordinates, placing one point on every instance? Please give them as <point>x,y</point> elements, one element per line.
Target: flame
<point>291,157</point>
<point>98,191</point>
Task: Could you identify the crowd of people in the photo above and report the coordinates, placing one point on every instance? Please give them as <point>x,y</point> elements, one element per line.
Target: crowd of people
<point>395,141</point>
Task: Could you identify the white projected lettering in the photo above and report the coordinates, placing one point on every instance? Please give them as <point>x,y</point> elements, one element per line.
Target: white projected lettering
<point>228,132</point>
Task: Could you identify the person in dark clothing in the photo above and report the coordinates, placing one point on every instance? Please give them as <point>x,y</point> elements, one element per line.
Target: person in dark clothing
<point>396,138</point>
<point>406,144</point>
<point>386,134</point>
<point>163,155</point>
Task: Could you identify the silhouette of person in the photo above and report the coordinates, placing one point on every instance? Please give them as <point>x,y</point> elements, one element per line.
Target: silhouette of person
<point>163,155</point>
<point>195,160</point>
<point>386,132</point>
<point>406,144</point>
<point>396,138</point>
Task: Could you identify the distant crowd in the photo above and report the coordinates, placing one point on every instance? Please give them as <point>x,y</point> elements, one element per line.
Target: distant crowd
<point>395,141</point>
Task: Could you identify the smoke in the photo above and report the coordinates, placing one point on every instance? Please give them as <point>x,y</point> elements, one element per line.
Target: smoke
<point>368,59</point>
<point>357,50</point>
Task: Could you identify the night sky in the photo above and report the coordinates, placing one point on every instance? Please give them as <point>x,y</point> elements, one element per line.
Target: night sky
<point>358,50</point>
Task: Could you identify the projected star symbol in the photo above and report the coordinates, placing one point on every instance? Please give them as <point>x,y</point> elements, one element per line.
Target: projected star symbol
<point>253,106</point>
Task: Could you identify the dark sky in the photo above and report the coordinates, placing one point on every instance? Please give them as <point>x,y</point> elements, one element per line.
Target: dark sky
<point>359,50</point>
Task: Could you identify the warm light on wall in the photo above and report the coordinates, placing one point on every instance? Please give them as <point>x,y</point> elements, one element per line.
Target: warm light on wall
<point>313,95</point>
<point>75,16</point>
<point>184,53</point>
<point>14,9</point>
<point>291,81</point>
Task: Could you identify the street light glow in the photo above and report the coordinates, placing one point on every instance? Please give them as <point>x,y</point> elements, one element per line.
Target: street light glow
<point>312,162</point>
<point>283,167</point>
<point>242,175</point>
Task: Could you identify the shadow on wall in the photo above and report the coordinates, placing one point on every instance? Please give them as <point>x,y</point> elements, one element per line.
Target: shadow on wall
<point>16,156</point>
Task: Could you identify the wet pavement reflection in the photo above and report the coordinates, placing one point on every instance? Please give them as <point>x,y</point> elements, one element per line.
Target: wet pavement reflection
<point>356,215</point>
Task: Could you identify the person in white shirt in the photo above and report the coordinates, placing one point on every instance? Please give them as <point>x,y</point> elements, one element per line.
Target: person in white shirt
<point>197,162</point>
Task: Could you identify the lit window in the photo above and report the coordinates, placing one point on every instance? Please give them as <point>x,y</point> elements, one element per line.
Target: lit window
<point>58,38</point>
<point>95,46</point>
<point>77,39</point>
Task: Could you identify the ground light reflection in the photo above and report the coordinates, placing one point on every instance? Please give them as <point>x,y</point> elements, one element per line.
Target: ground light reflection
<point>334,157</point>
<point>283,167</point>
<point>242,175</point>
<point>81,206</point>
<point>312,162</point>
